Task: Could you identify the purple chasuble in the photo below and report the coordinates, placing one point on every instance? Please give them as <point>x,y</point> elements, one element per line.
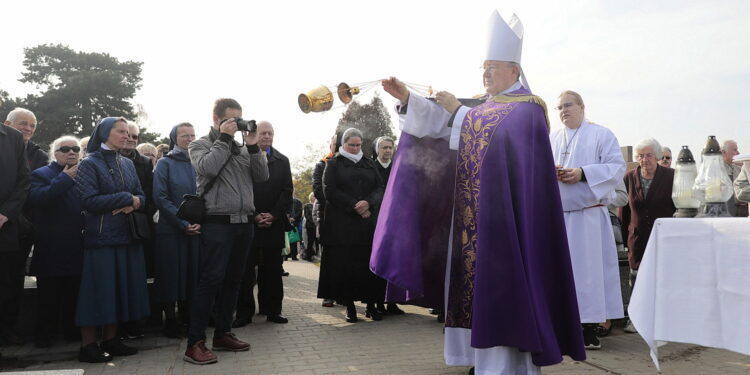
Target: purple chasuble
<point>511,280</point>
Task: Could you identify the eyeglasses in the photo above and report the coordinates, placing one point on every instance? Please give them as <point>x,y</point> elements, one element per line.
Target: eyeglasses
<point>645,156</point>
<point>666,158</point>
<point>134,137</point>
<point>67,149</point>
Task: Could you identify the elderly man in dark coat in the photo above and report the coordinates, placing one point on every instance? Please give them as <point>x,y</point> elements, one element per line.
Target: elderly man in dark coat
<point>272,200</point>
<point>25,122</point>
<point>14,187</point>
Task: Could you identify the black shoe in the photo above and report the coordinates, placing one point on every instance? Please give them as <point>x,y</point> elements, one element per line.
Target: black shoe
<point>380,308</point>
<point>373,314</point>
<point>351,313</point>
<point>471,371</point>
<point>602,331</point>
<point>171,329</point>
<point>590,341</point>
<point>130,330</point>
<point>241,322</point>
<point>440,318</point>
<point>92,353</point>
<point>394,310</point>
<point>277,319</point>
<point>284,273</point>
<point>434,311</point>
<point>116,348</point>
<point>295,258</point>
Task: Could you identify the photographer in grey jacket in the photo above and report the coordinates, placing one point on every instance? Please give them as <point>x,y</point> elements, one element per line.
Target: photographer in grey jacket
<point>227,231</point>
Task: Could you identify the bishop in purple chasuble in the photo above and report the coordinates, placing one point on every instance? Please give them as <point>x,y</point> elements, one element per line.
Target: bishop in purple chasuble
<point>510,276</point>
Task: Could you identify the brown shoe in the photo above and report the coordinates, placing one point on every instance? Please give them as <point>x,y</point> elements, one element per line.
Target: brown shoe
<point>230,343</point>
<point>199,354</point>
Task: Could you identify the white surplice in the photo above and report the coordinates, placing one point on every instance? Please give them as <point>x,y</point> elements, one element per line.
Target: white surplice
<point>425,118</point>
<point>593,252</point>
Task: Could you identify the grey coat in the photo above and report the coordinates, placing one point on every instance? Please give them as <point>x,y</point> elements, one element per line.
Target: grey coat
<point>232,193</point>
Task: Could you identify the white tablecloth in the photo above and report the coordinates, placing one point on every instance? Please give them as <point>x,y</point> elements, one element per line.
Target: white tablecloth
<point>693,285</point>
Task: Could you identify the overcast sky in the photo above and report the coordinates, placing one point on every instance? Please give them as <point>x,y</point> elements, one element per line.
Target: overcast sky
<point>673,70</point>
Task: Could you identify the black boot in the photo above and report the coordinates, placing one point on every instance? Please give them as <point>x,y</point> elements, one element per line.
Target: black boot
<point>351,313</point>
<point>116,348</point>
<point>92,353</point>
<point>394,310</point>
<point>590,341</point>
<point>372,313</point>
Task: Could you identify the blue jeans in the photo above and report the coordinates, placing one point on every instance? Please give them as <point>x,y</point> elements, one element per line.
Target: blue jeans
<point>223,254</point>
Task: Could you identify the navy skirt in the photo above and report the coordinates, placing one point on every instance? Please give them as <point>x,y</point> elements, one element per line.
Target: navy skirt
<point>113,286</point>
<point>175,267</point>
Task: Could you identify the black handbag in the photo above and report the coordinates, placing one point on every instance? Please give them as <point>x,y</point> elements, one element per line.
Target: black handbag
<point>140,228</point>
<point>193,207</point>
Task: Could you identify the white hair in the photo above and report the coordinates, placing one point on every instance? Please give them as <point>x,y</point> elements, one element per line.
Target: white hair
<point>650,142</point>
<point>13,115</point>
<point>666,149</point>
<point>726,143</point>
<point>132,125</point>
<point>56,144</point>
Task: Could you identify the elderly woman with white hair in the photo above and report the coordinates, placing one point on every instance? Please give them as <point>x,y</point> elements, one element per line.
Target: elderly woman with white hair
<point>58,246</point>
<point>649,189</point>
<point>353,189</point>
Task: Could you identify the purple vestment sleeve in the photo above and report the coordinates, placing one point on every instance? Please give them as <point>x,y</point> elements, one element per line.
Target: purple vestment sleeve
<point>411,239</point>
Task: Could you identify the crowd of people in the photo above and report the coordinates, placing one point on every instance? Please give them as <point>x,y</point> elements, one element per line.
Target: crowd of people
<point>99,217</point>
<point>104,214</point>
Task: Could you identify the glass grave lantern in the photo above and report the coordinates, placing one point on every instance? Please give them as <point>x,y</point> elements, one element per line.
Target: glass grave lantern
<point>683,195</point>
<point>713,186</point>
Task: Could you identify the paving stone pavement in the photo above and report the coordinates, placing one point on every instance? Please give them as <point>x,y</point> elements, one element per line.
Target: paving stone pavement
<point>318,341</point>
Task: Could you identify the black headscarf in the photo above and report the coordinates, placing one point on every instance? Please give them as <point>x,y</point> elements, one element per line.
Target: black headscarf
<point>101,133</point>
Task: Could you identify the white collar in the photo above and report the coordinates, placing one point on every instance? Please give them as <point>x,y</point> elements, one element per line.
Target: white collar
<point>385,165</point>
<point>104,146</point>
<point>353,157</point>
<point>514,87</point>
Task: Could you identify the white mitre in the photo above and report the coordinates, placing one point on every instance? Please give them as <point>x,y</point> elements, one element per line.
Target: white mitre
<point>505,41</point>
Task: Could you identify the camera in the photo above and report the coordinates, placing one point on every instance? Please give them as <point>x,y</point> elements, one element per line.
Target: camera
<point>246,125</point>
<point>243,125</point>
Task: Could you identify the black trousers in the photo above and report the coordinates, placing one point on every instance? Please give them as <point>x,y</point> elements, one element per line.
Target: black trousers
<point>312,242</point>
<point>223,254</point>
<point>57,305</point>
<point>269,280</point>
<point>12,274</point>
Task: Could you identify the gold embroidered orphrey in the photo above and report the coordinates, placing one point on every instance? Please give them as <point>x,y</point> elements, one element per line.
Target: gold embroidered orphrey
<point>476,134</point>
